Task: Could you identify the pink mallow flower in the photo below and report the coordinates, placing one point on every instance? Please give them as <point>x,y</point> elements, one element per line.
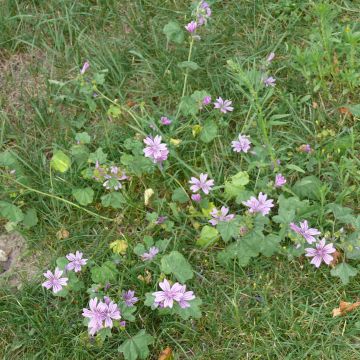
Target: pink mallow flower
<point>147,256</point>
<point>85,67</point>
<point>259,205</point>
<point>270,81</point>
<point>306,232</point>
<point>201,184</point>
<point>185,297</point>
<point>321,253</point>
<point>242,144</point>
<point>129,297</point>
<point>165,121</point>
<point>155,150</point>
<point>206,100</point>
<point>168,294</point>
<point>111,313</point>
<point>222,215</point>
<point>279,180</point>
<point>96,314</point>
<point>76,261</point>
<point>191,26</point>
<point>270,58</point>
<point>55,281</point>
<point>223,105</point>
<point>196,197</point>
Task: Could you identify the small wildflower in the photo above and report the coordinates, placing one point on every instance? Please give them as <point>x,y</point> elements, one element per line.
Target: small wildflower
<point>160,220</point>
<point>85,67</point>
<point>76,261</point>
<point>204,12</point>
<point>55,281</point>
<point>196,197</point>
<point>201,184</point>
<point>270,57</point>
<point>270,81</point>
<point>185,297</point>
<point>129,297</point>
<point>321,253</point>
<point>242,144</point>
<point>96,314</point>
<point>206,100</point>
<point>111,312</point>
<point>306,232</point>
<point>191,26</point>
<point>147,256</point>
<point>168,294</point>
<point>305,148</point>
<point>261,205</point>
<point>155,150</point>
<point>222,215</point>
<point>123,323</point>
<point>165,121</point>
<point>279,180</point>
<point>223,105</point>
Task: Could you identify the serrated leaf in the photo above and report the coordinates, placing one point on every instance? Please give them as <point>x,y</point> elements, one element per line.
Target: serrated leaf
<point>98,155</point>
<point>176,264</point>
<point>188,106</point>
<point>173,32</point>
<point>344,272</point>
<point>208,236</point>
<point>270,244</point>
<point>209,131</point>
<point>127,312</point>
<point>228,229</point>
<point>137,346</point>
<point>192,312</point>
<point>61,262</point>
<point>235,186</point>
<point>191,65</point>
<point>114,199</point>
<point>83,196</point>
<point>308,187</point>
<point>60,161</point>
<point>105,273</point>
<point>11,212</point>
<point>83,138</point>
<point>180,196</point>
<point>30,218</point>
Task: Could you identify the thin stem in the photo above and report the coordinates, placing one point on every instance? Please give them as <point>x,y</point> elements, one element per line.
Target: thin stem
<point>60,199</point>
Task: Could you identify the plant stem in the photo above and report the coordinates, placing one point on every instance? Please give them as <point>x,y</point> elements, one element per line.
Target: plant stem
<point>60,199</point>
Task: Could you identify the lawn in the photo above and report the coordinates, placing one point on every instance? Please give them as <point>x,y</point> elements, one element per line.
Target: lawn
<point>84,83</point>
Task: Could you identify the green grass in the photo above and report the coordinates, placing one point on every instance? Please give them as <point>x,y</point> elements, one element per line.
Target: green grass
<point>274,308</point>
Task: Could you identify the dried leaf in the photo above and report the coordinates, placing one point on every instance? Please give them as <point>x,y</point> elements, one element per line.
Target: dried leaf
<point>166,354</point>
<point>119,247</point>
<point>62,234</point>
<point>336,257</point>
<point>147,278</point>
<point>343,110</point>
<point>147,195</point>
<point>344,308</point>
<point>315,105</point>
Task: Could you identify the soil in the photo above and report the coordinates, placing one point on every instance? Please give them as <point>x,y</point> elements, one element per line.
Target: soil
<point>16,264</point>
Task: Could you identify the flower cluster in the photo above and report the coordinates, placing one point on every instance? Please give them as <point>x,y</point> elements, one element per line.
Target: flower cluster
<point>170,293</point>
<point>111,177</point>
<point>56,281</point>
<point>101,314</point>
<point>202,14</point>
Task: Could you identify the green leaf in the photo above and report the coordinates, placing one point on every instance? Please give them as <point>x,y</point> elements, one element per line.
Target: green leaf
<point>295,167</point>
<point>180,195</point>
<point>139,249</point>
<point>191,65</point>
<point>188,106</point>
<point>354,109</point>
<point>236,185</point>
<point>98,155</point>
<point>308,187</point>
<point>60,161</point>
<point>192,312</point>
<point>83,196</point>
<point>61,262</point>
<point>343,214</point>
<point>270,244</point>
<point>209,131</point>
<point>344,272</point>
<point>114,111</point>
<point>208,236</point>
<point>80,153</point>
<point>127,312</point>
<point>11,212</point>
<point>83,138</point>
<point>173,32</point>
<point>30,218</point>
<point>228,229</point>
<point>243,249</point>
<point>137,346</point>
<point>176,264</point>
<point>115,200</point>
<point>137,165</point>
<point>105,273</point>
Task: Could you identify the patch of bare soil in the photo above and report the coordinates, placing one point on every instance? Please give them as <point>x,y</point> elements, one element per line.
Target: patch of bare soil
<point>16,264</point>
